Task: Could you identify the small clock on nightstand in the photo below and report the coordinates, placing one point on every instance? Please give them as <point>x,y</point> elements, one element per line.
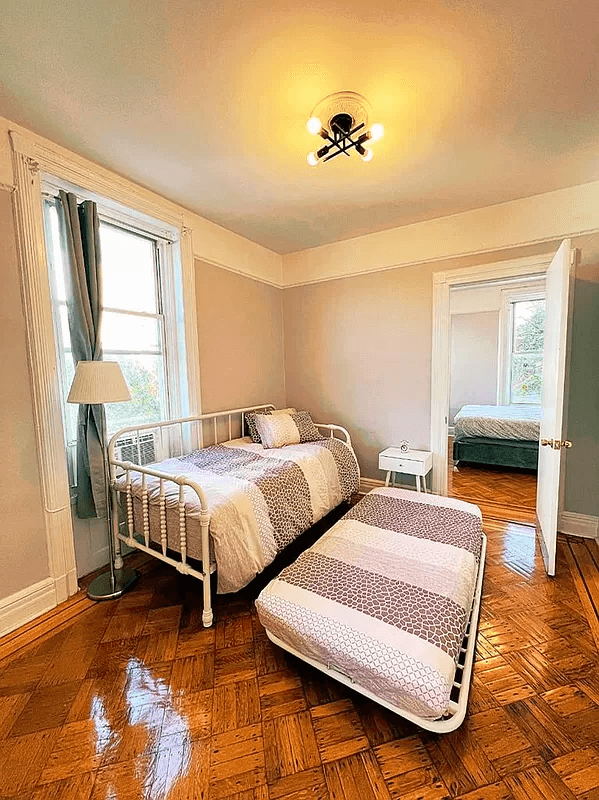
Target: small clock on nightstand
<point>408,462</point>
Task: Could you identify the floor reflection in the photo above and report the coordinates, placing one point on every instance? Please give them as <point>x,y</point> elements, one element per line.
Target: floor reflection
<point>139,726</point>
<point>519,545</point>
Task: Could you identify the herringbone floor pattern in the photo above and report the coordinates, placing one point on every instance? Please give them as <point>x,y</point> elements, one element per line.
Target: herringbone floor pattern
<point>502,493</point>
<point>134,699</point>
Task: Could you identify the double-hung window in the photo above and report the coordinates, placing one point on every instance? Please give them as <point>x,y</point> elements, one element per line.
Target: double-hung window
<point>521,361</point>
<point>140,326</point>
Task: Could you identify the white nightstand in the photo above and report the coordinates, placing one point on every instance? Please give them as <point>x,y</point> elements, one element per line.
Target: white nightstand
<point>410,462</point>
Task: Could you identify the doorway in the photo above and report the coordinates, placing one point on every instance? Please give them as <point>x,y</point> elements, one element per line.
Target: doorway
<point>496,368</point>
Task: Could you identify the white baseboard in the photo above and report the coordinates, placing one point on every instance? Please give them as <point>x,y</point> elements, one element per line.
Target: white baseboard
<point>368,484</point>
<point>21,607</point>
<point>573,524</point>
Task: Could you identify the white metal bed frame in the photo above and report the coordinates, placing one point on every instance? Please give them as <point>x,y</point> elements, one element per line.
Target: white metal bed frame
<point>456,709</point>
<point>178,437</point>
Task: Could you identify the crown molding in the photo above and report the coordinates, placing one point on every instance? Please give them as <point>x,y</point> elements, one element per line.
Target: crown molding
<point>526,222</point>
<point>210,242</point>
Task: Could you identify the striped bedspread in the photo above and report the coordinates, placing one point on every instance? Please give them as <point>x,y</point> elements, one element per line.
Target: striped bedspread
<point>384,597</point>
<point>259,500</point>
<point>499,422</point>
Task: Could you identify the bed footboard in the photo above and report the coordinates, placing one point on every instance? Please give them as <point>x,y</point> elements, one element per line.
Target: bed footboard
<point>171,438</point>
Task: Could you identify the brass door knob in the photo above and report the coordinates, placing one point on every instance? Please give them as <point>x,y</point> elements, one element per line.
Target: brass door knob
<point>556,444</point>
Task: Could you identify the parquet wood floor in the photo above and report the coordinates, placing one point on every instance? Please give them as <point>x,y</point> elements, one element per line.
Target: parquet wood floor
<point>501,493</point>
<point>134,699</point>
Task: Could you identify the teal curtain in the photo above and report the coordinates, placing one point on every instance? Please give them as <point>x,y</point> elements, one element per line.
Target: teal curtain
<point>80,239</point>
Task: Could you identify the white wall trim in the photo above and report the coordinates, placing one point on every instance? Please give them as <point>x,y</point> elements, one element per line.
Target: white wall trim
<point>21,607</point>
<point>41,351</point>
<point>210,242</point>
<point>214,263</point>
<point>528,221</point>
<point>30,157</point>
<point>584,525</point>
<point>441,345</point>
<point>368,484</point>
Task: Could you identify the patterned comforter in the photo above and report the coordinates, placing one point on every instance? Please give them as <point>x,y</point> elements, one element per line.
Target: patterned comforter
<point>499,422</point>
<point>259,500</point>
<point>384,597</point>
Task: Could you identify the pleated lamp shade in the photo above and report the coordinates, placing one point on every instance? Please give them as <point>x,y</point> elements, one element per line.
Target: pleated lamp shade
<point>98,382</point>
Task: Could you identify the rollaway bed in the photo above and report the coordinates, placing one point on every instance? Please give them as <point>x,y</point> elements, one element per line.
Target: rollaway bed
<point>387,602</point>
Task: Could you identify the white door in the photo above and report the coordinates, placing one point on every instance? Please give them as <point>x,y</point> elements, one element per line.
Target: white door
<point>555,374</point>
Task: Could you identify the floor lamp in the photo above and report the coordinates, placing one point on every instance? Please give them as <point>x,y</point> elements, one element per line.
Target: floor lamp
<point>96,383</point>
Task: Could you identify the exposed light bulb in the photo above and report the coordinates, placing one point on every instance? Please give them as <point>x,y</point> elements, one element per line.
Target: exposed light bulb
<point>314,126</point>
<point>368,154</point>
<point>377,132</point>
<point>312,159</point>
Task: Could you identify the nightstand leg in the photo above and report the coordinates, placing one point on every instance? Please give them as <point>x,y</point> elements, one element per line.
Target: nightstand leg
<point>424,484</point>
<point>418,483</point>
<point>388,476</point>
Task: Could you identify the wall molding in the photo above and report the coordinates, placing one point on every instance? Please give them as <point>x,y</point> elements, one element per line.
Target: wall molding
<point>21,607</point>
<point>584,525</point>
<point>524,222</point>
<point>368,484</point>
<point>210,242</point>
<point>45,385</point>
<point>214,263</point>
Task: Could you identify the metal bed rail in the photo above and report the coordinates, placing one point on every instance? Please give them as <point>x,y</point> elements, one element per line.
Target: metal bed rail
<point>175,437</point>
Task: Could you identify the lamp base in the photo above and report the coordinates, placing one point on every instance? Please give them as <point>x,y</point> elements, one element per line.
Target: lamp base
<point>103,587</point>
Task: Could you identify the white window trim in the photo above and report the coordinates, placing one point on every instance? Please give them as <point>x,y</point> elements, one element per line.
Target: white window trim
<point>30,157</point>
<point>510,295</point>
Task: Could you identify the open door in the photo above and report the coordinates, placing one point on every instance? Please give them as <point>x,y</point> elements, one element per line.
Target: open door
<point>555,375</point>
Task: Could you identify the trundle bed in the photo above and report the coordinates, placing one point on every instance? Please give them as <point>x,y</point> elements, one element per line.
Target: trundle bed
<point>506,436</point>
<point>216,501</point>
<point>387,602</point>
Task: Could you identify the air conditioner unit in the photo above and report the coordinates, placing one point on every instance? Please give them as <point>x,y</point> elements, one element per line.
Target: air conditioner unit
<point>137,449</point>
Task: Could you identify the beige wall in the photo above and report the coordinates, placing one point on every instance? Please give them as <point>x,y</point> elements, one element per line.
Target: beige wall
<point>240,332</point>
<point>23,551</point>
<point>474,343</point>
<point>357,352</point>
<point>582,461</point>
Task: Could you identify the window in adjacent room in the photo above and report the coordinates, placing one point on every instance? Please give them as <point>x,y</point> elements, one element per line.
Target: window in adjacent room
<point>139,325</point>
<point>524,330</point>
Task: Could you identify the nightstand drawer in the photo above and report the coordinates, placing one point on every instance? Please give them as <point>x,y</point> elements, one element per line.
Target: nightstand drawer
<point>405,465</point>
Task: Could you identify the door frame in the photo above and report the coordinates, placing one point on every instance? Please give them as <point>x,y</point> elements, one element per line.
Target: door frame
<point>443,282</point>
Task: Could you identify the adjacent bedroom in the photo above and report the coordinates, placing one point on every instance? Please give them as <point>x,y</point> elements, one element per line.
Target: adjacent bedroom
<point>497,338</point>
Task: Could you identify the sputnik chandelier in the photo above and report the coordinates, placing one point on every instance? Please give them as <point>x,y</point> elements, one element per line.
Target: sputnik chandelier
<point>341,119</point>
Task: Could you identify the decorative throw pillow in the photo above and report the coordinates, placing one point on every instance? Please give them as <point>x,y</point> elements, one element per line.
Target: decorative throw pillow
<point>278,430</point>
<point>250,421</point>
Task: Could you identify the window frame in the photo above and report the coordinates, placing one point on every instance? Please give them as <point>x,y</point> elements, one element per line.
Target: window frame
<point>169,290</point>
<point>509,296</point>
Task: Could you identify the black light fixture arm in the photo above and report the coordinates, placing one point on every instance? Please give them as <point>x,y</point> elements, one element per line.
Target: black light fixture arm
<point>345,130</point>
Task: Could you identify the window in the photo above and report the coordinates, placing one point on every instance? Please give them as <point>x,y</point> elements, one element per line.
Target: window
<point>526,362</point>
<point>139,329</point>
<point>521,364</point>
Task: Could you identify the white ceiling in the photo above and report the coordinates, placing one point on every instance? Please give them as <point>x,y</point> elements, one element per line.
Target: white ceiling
<point>205,102</point>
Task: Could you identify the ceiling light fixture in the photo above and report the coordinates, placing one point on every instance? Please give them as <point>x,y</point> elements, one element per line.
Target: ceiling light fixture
<point>345,127</point>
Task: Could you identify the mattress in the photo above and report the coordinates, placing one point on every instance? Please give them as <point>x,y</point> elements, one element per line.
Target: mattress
<point>499,422</point>
<point>259,500</point>
<point>384,597</point>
